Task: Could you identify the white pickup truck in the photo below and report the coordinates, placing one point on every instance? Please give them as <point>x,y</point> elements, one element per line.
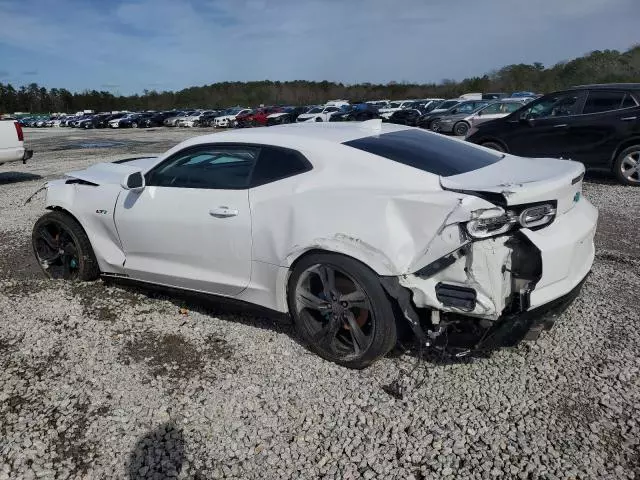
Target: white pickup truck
<point>12,143</point>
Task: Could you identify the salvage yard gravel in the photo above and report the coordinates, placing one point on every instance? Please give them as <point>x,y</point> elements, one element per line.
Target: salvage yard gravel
<point>109,381</point>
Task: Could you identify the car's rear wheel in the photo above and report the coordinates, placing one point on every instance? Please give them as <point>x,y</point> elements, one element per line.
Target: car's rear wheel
<point>63,249</point>
<point>341,310</point>
<point>493,146</point>
<point>627,166</point>
<point>460,129</point>
<point>134,125</point>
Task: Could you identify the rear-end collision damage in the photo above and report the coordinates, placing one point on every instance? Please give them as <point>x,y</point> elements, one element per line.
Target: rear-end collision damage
<point>511,269</point>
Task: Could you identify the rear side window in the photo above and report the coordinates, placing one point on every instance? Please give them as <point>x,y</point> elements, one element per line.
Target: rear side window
<point>431,153</point>
<point>278,163</point>
<point>603,101</point>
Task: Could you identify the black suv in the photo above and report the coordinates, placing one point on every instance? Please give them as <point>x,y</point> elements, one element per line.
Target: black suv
<point>598,125</point>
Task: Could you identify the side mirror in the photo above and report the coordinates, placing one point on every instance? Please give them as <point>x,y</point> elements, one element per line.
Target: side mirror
<point>133,182</point>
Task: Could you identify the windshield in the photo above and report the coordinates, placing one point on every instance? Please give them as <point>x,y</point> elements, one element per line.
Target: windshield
<point>430,153</point>
<point>315,110</point>
<point>394,105</point>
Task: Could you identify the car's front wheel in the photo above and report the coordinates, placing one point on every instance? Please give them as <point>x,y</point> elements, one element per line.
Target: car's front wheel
<point>341,310</point>
<point>63,249</point>
<point>627,166</point>
<point>460,129</point>
<point>134,125</point>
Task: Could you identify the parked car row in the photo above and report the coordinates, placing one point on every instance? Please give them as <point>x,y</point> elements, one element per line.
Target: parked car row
<point>598,125</point>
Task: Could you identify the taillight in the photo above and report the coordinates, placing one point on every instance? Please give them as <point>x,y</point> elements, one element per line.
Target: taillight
<point>19,131</point>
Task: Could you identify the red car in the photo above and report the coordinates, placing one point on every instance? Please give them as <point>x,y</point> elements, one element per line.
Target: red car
<point>257,117</point>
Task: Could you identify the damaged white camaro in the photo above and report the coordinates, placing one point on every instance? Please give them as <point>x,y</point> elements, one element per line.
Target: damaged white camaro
<point>362,232</point>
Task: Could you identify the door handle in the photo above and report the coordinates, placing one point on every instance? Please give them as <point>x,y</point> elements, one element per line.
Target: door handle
<point>564,125</point>
<point>223,212</point>
<point>628,119</point>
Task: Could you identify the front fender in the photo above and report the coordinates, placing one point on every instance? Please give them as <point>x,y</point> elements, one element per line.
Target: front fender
<point>93,207</point>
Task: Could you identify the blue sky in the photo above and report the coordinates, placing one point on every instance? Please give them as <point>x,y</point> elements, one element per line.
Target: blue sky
<point>125,46</point>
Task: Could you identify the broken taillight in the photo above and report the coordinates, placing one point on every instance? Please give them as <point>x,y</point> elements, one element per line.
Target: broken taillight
<point>537,216</point>
<point>532,216</point>
<point>19,131</point>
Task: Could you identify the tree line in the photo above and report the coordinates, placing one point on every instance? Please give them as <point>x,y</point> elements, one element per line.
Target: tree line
<point>597,67</point>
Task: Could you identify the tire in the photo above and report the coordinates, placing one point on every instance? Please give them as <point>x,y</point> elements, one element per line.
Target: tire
<point>435,126</point>
<point>494,146</point>
<point>327,327</point>
<point>626,168</point>
<point>134,125</point>
<point>57,232</point>
<point>460,129</point>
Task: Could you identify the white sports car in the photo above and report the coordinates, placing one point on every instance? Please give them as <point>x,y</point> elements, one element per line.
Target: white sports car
<point>362,232</point>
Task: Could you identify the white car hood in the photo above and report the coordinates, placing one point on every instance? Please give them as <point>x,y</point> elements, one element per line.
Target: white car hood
<point>523,180</point>
<point>112,173</point>
<point>226,117</point>
<point>308,115</point>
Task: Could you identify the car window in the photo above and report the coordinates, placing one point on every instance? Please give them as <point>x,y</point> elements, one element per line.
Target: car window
<point>510,107</point>
<point>491,109</point>
<point>558,105</point>
<point>278,163</point>
<point>603,101</point>
<point>210,167</point>
<point>331,109</point>
<point>431,153</point>
<point>465,108</point>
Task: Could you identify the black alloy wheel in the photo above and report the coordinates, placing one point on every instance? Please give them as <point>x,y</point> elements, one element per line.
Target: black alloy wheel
<point>63,249</point>
<point>341,310</point>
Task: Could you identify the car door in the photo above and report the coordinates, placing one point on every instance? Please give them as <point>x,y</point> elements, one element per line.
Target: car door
<point>608,117</point>
<point>190,227</point>
<point>541,129</point>
<point>490,112</point>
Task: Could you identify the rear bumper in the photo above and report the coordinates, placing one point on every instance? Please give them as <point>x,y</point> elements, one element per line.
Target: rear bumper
<point>511,329</point>
<point>512,273</point>
<point>567,251</point>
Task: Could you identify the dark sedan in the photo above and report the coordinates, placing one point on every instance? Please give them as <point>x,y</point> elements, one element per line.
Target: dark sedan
<point>411,116</point>
<point>356,113</point>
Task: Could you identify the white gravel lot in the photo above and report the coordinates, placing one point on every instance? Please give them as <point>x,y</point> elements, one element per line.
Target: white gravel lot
<point>109,382</point>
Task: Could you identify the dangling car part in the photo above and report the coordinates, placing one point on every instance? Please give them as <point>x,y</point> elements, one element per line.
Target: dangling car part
<point>355,230</point>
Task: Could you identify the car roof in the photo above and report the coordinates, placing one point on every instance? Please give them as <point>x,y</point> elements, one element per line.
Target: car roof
<point>293,135</point>
<point>612,86</point>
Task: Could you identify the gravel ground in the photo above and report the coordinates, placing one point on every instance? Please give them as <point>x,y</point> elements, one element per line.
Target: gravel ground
<point>102,381</point>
